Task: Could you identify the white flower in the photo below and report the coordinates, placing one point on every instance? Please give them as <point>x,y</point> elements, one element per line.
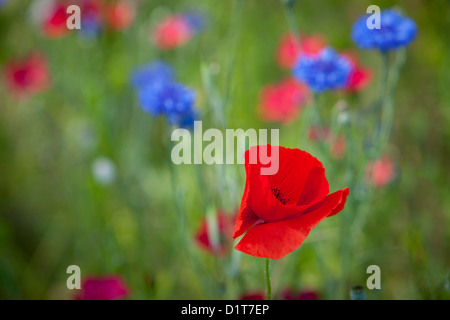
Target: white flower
<point>104,170</point>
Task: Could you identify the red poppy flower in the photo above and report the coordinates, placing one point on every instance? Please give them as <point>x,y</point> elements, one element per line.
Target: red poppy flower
<point>54,24</point>
<point>103,288</point>
<point>28,76</point>
<point>225,230</point>
<point>253,296</point>
<point>173,32</point>
<point>278,211</point>
<point>290,294</point>
<point>282,102</point>
<point>360,77</point>
<point>380,172</point>
<point>92,9</point>
<point>289,48</point>
<point>119,15</point>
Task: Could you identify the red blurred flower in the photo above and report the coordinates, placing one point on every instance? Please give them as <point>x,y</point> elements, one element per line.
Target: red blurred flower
<point>380,172</point>
<point>360,77</point>
<point>93,9</point>
<point>286,294</point>
<point>253,296</point>
<point>54,24</point>
<point>225,230</point>
<point>173,32</point>
<point>318,134</point>
<point>282,101</point>
<point>338,144</point>
<point>289,48</point>
<point>278,211</point>
<point>27,76</point>
<point>103,288</point>
<point>290,294</point>
<point>119,15</point>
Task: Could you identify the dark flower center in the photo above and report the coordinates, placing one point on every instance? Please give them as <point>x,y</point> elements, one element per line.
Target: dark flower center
<point>279,195</point>
<point>22,77</point>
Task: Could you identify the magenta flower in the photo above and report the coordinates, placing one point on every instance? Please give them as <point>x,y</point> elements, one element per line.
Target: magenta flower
<point>304,294</point>
<point>103,288</point>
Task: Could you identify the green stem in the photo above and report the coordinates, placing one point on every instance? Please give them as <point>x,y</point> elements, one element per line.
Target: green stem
<point>387,112</point>
<point>269,289</point>
<point>187,248</point>
<point>354,226</point>
<point>317,120</point>
<point>177,195</point>
<point>291,19</point>
<point>234,33</point>
<point>317,117</point>
<point>214,98</point>
<point>384,105</point>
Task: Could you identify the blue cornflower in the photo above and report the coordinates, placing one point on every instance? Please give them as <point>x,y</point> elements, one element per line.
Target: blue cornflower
<point>395,31</point>
<point>325,71</point>
<point>171,99</point>
<point>160,94</point>
<point>90,26</point>
<point>151,74</point>
<point>195,20</point>
<point>91,20</point>
<point>186,120</point>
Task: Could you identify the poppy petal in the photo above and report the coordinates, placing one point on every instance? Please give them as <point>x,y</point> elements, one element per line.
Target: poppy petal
<point>299,183</point>
<point>246,218</point>
<point>297,170</point>
<point>270,240</point>
<point>333,204</point>
<point>259,197</point>
<point>276,239</point>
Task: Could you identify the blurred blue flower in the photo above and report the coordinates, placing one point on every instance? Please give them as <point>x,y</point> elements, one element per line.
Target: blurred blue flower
<point>186,120</point>
<point>160,94</point>
<point>2,2</point>
<point>171,99</point>
<point>90,26</point>
<point>152,73</point>
<point>396,31</point>
<point>325,71</point>
<point>195,20</point>
<point>91,21</point>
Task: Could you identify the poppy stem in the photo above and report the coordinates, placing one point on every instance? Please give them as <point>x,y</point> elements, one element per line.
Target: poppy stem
<point>269,289</point>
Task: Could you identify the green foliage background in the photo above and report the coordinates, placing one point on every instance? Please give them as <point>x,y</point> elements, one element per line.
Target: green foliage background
<point>53,213</point>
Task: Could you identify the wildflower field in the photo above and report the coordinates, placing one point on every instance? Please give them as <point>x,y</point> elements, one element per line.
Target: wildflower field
<point>224,150</point>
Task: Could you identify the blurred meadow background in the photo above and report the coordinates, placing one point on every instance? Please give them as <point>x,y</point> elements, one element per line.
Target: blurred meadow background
<point>86,177</point>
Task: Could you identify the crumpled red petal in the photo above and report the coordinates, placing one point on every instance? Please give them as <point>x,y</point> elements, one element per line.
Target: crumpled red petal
<point>276,239</point>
